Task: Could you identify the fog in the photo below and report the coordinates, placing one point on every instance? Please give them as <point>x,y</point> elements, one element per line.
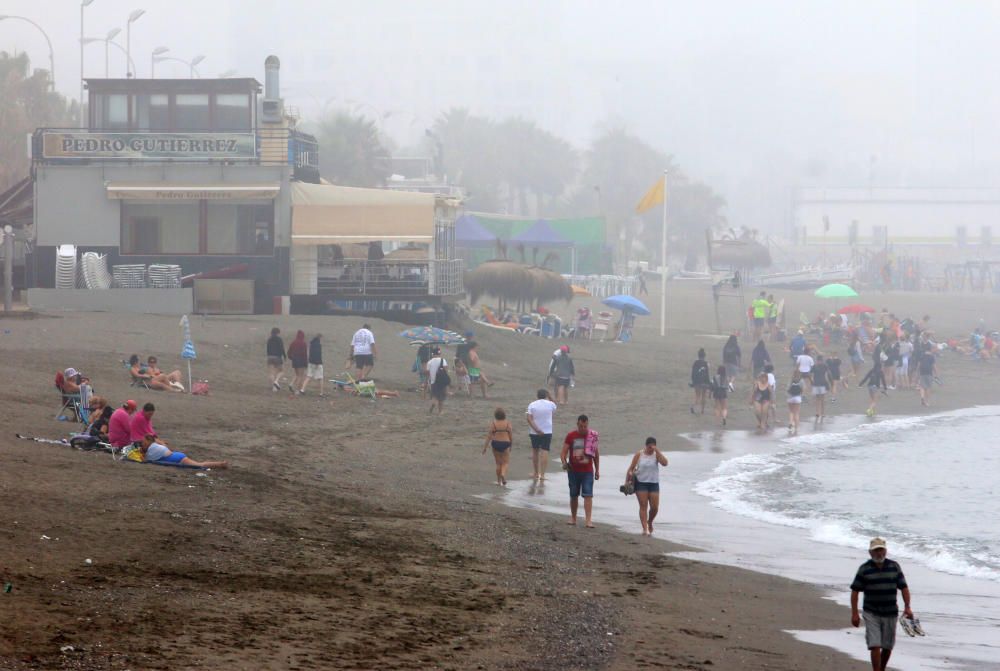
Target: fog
<point>754,98</point>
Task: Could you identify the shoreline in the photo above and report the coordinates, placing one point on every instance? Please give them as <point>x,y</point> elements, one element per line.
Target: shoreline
<point>339,515</point>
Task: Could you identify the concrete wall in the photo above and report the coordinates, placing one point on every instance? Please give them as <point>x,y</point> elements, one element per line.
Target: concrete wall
<point>72,206</point>
<point>142,301</point>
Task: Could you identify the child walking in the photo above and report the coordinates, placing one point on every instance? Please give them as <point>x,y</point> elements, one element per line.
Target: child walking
<point>500,438</point>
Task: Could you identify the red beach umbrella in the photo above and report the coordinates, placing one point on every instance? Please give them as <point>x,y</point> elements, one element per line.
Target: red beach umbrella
<point>855,309</point>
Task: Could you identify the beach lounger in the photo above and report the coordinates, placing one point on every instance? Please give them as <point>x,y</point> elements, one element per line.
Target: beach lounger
<point>602,324</point>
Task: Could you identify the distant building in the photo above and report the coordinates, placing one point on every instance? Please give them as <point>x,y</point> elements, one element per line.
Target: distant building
<point>212,176</point>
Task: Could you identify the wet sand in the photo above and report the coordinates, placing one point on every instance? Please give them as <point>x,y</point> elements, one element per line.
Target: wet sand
<point>349,534</point>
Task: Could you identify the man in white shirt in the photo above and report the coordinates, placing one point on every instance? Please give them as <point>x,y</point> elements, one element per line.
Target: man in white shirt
<point>539,417</point>
<point>804,363</point>
<point>363,351</point>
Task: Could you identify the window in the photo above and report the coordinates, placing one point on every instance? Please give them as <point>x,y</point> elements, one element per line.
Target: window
<point>191,111</point>
<point>111,111</point>
<point>986,236</point>
<point>154,228</point>
<point>961,236</point>
<point>199,227</point>
<point>152,112</point>
<point>243,228</point>
<point>232,111</point>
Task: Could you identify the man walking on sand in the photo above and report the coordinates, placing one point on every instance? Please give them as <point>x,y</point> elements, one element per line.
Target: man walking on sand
<point>879,578</point>
<point>539,417</point>
<point>363,351</point>
<point>581,460</point>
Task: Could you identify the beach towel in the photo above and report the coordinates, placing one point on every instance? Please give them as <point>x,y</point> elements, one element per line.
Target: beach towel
<point>590,443</point>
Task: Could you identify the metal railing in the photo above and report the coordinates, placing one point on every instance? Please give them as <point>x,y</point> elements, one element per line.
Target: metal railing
<point>392,278</point>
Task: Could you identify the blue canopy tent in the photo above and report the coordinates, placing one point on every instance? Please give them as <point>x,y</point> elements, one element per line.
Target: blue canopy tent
<point>469,233</point>
<point>541,234</point>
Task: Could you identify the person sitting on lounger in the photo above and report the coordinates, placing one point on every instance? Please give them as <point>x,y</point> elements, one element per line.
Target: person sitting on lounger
<point>173,378</point>
<point>158,381</point>
<point>156,452</point>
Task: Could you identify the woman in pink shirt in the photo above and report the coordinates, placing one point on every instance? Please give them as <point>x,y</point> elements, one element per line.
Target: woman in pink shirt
<point>119,427</point>
<point>141,424</point>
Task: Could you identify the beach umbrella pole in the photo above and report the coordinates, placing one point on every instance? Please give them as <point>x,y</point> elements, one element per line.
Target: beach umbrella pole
<point>189,375</point>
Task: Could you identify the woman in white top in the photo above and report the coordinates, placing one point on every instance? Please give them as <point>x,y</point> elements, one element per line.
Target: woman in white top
<point>645,474</point>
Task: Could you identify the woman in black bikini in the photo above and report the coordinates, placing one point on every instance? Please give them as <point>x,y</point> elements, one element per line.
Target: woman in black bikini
<point>760,399</point>
<point>500,438</point>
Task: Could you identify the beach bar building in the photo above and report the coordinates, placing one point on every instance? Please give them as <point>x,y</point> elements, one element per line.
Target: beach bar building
<point>203,195</point>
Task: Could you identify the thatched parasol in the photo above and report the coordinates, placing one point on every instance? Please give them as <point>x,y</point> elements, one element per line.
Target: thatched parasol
<point>511,281</point>
<point>740,254</point>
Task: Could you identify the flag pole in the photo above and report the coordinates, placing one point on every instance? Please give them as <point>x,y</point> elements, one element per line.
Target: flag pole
<point>663,263</point>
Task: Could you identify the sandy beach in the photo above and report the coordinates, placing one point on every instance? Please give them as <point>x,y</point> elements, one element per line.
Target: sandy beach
<point>353,535</point>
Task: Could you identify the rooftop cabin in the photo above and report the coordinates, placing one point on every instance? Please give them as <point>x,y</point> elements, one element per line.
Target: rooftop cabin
<point>222,121</point>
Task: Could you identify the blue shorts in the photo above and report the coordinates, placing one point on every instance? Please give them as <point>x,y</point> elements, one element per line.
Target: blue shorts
<point>174,458</point>
<point>580,481</point>
<point>651,487</point>
<point>758,321</point>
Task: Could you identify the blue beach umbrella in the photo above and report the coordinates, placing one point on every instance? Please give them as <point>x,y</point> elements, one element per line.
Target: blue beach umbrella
<point>629,303</point>
<point>187,352</point>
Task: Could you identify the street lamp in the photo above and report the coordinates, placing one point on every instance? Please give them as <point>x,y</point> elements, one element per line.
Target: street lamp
<point>107,49</point>
<point>83,3</point>
<point>128,38</point>
<point>131,63</point>
<point>191,63</point>
<point>152,61</point>
<point>52,65</point>
<point>194,61</point>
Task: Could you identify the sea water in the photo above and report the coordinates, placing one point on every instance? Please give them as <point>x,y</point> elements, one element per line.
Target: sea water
<point>804,507</point>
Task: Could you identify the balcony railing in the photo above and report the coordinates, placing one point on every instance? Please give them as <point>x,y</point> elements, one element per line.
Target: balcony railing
<point>256,146</point>
<point>392,279</point>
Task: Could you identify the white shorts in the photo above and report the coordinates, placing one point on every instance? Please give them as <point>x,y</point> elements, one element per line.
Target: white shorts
<point>819,391</point>
<point>315,371</point>
<point>794,400</point>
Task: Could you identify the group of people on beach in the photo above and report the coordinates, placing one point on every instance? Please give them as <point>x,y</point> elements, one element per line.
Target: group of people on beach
<point>903,354</point>
<point>129,427</point>
<point>306,359</point>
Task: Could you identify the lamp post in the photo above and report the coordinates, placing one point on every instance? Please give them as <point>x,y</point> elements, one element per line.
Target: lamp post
<point>152,61</point>
<point>131,63</point>
<point>83,3</point>
<point>107,49</point>
<point>194,61</point>
<point>191,63</point>
<point>52,63</point>
<point>134,16</point>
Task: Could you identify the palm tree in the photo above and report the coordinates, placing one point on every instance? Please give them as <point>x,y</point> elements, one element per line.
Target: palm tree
<point>26,103</point>
<point>352,152</point>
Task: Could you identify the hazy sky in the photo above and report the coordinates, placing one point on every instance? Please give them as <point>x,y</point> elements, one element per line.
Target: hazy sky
<point>754,97</point>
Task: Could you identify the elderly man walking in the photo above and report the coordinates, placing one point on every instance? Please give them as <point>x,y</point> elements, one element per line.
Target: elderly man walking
<point>879,578</point>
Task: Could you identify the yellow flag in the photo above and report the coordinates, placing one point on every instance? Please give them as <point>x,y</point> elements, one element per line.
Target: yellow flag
<point>653,197</point>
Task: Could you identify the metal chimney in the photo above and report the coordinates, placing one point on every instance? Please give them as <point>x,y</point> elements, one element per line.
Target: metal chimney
<point>271,84</point>
<point>271,105</point>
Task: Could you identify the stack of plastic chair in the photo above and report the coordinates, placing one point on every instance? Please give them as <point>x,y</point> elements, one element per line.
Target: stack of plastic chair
<point>164,276</point>
<point>66,267</point>
<point>94,269</point>
<point>130,276</point>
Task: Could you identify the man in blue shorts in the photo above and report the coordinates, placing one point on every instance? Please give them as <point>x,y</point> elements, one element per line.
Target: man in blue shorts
<point>879,578</point>
<point>582,462</point>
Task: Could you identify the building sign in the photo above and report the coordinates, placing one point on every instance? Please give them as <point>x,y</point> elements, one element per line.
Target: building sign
<point>149,146</point>
<point>187,192</point>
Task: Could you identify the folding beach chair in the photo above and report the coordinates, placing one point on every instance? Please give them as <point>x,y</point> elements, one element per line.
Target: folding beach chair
<point>135,381</point>
<point>76,402</point>
<point>602,324</point>
<point>365,389</point>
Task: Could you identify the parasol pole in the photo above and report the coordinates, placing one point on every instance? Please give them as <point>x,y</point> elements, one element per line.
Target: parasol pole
<point>189,376</point>
<point>663,263</point>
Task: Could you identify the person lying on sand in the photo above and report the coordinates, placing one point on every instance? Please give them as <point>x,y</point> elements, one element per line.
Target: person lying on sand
<point>152,451</point>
